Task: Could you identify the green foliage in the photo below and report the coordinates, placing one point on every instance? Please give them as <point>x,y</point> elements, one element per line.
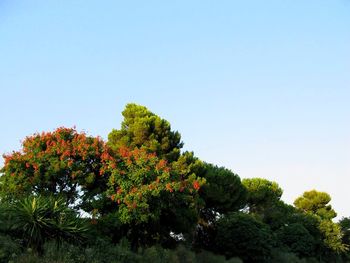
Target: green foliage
<point>9,248</point>
<point>309,222</point>
<point>262,195</point>
<point>143,129</point>
<point>241,235</point>
<point>297,239</point>
<point>146,201</point>
<point>282,256</point>
<point>155,185</point>
<point>344,224</point>
<point>39,219</point>
<point>209,257</point>
<point>64,163</point>
<point>143,185</point>
<point>223,191</point>
<point>151,197</point>
<point>332,236</point>
<point>120,253</point>
<point>278,214</point>
<point>315,202</point>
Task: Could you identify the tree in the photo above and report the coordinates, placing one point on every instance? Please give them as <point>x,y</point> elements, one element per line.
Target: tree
<point>151,197</point>
<point>315,202</point>
<point>241,235</point>
<point>143,129</point>
<point>297,239</point>
<point>63,162</point>
<point>332,236</point>
<point>39,219</point>
<point>223,191</point>
<point>263,195</point>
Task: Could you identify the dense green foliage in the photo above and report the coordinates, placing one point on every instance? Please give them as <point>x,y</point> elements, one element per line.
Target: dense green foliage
<point>315,202</point>
<point>144,129</point>
<point>242,235</point>
<point>69,197</point>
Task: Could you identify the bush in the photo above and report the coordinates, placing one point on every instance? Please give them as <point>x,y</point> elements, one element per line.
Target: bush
<point>9,249</point>
<point>209,257</point>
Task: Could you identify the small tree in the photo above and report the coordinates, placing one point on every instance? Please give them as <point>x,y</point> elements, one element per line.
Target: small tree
<point>39,219</point>
<point>63,163</point>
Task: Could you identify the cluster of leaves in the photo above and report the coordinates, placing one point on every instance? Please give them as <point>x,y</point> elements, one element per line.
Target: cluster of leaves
<point>138,186</point>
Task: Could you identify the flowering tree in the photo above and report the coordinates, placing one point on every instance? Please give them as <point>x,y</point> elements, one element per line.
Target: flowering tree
<point>144,185</point>
<point>63,162</point>
<point>153,200</point>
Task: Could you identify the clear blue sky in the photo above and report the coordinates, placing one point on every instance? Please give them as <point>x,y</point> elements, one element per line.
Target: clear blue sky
<point>261,87</point>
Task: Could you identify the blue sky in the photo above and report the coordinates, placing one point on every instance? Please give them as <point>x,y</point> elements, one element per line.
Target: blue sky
<point>261,87</point>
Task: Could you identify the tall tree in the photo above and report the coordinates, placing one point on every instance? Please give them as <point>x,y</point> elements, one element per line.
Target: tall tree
<point>222,193</point>
<point>317,203</point>
<point>143,129</point>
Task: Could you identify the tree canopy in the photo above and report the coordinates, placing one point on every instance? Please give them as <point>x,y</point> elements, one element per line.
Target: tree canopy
<point>143,129</point>
<point>316,203</point>
<point>138,198</point>
<point>63,162</point>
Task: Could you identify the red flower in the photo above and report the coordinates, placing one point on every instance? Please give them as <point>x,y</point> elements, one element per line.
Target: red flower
<point>168,186</point>
<point>196,185</point>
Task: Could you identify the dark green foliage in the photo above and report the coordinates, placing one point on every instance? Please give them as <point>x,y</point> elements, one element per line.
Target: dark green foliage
<point>345,228</point>
<point>278,214</point>
<point>223,191</point>
<point>310,222</point>
<point>297,239</point>
<point>9,248</point>
<point>104,252</point>
<point>39,219</point>
<point>241,235</point>
<point>262,196</point>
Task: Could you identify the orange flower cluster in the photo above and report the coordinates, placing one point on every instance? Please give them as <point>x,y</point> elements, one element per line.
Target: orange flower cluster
<point>61,151</point>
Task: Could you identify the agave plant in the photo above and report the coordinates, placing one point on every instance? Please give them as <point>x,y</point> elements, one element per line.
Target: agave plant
<point>40,219</point>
